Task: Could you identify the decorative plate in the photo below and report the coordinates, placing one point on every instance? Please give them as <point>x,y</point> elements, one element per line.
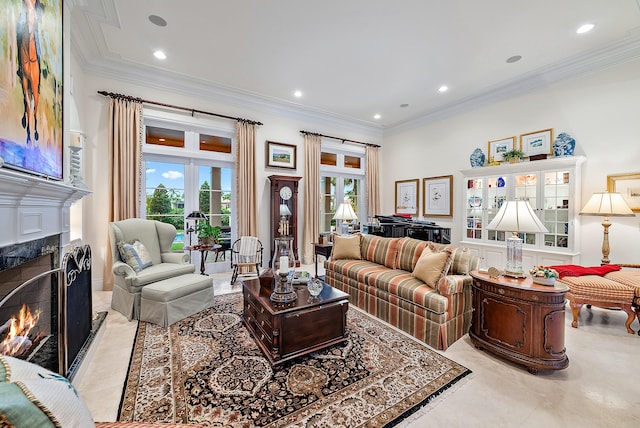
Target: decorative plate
<point>477,158</point>
<point>475,201</point>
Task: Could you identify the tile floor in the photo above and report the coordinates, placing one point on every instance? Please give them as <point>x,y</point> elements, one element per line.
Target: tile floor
<point>599,389</point>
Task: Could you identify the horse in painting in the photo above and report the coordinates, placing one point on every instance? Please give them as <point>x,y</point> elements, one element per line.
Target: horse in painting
<point>29,63</point>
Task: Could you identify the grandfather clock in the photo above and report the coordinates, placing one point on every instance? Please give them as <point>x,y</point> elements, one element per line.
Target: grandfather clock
<point>284,212</point>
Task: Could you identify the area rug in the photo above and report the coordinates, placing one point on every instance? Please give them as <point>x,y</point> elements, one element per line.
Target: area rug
<point>207,370</point>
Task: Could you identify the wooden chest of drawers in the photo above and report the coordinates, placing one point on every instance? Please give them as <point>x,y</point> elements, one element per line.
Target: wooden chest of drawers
<point>302,327</point>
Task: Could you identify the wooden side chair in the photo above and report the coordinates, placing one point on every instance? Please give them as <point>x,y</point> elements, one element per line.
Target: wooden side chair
<point>246,257</point>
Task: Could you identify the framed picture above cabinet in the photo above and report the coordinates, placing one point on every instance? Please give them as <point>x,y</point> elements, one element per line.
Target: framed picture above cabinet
<point>552,187</point>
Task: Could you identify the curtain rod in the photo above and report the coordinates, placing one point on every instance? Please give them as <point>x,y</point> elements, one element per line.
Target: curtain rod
<point>193,111</point>
<point>339,139</point>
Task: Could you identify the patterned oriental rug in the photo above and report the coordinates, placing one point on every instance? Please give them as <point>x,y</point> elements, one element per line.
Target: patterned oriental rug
<point>207,370</point>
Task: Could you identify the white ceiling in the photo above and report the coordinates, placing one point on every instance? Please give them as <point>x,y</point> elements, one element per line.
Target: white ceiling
<point>355,58</point>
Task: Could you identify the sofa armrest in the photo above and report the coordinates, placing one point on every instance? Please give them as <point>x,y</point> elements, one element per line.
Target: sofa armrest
<point>179,258</point>
<point>123,269</point>
<point>452,284</point>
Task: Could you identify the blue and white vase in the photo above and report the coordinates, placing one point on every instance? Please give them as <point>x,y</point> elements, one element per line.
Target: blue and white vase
<point>564,145</point>
<point>477,158</point>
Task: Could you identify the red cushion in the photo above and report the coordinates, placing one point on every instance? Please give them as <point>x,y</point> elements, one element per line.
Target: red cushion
<point>576,270</point>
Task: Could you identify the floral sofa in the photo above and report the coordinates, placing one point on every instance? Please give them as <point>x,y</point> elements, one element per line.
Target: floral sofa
<point>421,287</point>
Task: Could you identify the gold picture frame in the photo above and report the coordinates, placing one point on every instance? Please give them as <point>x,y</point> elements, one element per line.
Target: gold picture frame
<point>537,143</point>
<point>437,196</point>
<point>628,185</point>
<point>407,196</point>
<point>497,147</point>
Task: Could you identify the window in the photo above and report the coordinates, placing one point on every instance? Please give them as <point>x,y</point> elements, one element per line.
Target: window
<point>342,177</point>
<point>188,170</point>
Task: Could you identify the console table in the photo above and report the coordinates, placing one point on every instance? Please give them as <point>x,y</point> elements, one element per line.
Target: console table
<point>520,321</point>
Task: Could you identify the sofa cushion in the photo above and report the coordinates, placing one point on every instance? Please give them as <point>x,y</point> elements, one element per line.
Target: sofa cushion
<point>409,250</point>
<point>462,261</point>
<point>346,247</point>
<point>597,287</point>
<point>159,272</point>
<point>135,254</point>
<point>432,265</point>
<point>379,250</point>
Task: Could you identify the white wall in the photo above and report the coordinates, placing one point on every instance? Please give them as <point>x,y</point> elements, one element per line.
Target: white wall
<point>599,110</point>
<point>278,126</point>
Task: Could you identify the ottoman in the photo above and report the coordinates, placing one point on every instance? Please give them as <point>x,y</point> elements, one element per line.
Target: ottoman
<point>598,291</point>
<point>170,300</point>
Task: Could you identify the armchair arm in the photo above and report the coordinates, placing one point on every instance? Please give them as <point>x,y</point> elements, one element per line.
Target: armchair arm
<point>179,258</point>
<point>123,269</point>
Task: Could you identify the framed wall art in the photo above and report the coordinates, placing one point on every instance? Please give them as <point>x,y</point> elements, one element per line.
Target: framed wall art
<point>438,196</point>
<point>31,54</point>
<point>498,147</point>
<point>281,155</point>
<point>407,197</point>
<point>537,143</point>
<point>628,185</point>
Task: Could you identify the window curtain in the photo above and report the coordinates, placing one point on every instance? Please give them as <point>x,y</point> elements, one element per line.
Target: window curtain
<point>311,213</point>
<point>125,168</point>
<point>373,181</point>
<point>246,182</point>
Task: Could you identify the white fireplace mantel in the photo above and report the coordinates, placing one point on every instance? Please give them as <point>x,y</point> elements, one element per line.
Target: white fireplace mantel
<point>33,207</point>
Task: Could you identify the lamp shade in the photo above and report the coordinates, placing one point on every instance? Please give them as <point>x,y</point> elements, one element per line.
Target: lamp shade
<point>607,204</point>
<point>345,212</point>
<point>517,216</point>
<point>284,210</point>
<point>197,215</point>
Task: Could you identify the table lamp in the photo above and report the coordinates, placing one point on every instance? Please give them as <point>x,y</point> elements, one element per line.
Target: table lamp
<point>516,217</point>
<point>606,204</point>
<point>197,216</point>
<point>345,212</point>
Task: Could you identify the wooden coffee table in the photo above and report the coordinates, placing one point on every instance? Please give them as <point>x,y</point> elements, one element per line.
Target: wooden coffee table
<point>299,328</point>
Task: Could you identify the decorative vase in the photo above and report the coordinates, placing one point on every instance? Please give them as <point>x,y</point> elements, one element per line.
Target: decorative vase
<point>564,145</point>
<point>477,158</point>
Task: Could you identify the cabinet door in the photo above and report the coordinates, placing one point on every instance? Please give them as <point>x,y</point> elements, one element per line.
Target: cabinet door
<point>556,209</point>
<point>474,208</point>
<point>498,190</point>
<point>526,187</point>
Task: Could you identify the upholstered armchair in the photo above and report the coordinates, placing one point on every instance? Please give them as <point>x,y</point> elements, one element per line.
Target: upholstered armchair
<point>159,262</point>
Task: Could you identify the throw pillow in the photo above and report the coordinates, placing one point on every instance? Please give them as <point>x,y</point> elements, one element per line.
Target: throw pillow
<point>135,254</point>
<point>346,247</point>
<point>432,265</point>
<point>32,396</point>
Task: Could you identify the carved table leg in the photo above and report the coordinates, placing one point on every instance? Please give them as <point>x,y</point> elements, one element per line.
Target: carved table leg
<point>532,370</point>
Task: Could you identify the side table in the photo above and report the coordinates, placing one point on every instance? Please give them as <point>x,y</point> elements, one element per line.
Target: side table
<point>323,250</point>
<point>204,250</point>
<point>520,320</point>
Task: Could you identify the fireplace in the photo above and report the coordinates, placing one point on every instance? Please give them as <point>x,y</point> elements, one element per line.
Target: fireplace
<point>34,236</point>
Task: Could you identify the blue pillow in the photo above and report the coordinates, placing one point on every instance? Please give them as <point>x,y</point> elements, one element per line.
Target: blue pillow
<point>135,254</point>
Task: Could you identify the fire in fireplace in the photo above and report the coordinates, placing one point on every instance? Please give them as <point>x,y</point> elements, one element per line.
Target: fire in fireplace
<point>16,342</point>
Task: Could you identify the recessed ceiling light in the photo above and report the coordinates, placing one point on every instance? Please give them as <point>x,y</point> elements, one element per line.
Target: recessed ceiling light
<point>157,20</point>
<point>513,59</point>
<point>297,94</point>
<point>404,105</point>
<point>585,28</point>
<point>376,116</point>
<point>443,88</point>
<point>159,55</point>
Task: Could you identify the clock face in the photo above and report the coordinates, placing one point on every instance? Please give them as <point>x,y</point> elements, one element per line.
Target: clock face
<point>286,193</point>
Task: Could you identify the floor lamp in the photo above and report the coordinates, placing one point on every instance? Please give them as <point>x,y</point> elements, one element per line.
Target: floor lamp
<point>607,205</point>
<point>516,217</point>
